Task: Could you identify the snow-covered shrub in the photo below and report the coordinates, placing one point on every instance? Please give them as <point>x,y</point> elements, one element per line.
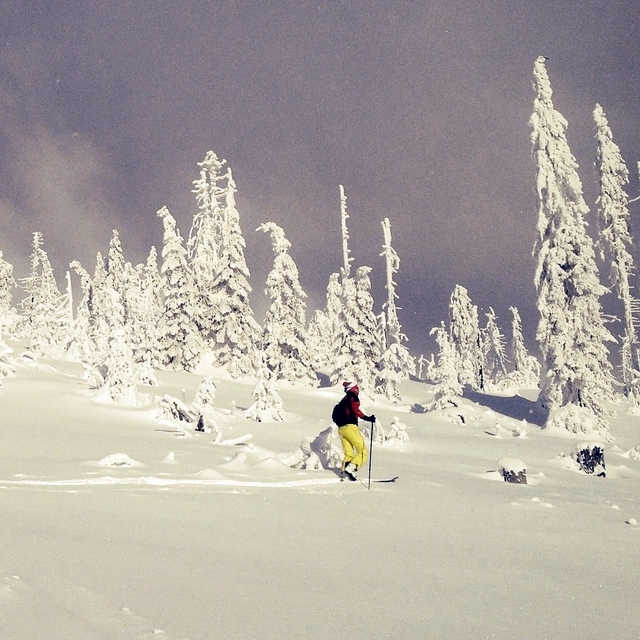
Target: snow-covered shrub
<point>513,470</point>
<point>268,405</point>
<point>589,456</point>
<point>202,406</point>
<point>578,420</point>
<point>171,408</point>
<point>397,432</point>
<point>321,452</point>
<point>205,394</point>
<point>378,431</point>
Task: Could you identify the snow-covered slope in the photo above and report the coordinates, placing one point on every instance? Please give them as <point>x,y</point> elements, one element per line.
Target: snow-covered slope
<point>119,524</point>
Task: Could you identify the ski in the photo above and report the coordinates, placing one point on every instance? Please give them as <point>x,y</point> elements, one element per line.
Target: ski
<point>365,482</point>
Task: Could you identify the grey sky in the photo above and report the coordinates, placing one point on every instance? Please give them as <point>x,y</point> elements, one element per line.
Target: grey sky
<point>419,108</point>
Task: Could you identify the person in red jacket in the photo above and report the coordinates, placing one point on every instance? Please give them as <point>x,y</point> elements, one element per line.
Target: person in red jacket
<point>345,415</point>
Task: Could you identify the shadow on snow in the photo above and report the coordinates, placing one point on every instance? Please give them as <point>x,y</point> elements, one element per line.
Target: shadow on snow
<point>515,407</point>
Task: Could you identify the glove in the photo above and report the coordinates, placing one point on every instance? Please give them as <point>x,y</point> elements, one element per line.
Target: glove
<point>371,419</point>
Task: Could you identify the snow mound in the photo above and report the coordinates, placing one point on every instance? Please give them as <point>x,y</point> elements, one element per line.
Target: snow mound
<point>171,458</point>
<point>512,464</point>
<point>633,453</point>
<point>237,463</point>
<point>210,474</point>
<point>119,460</point>
<point>273,465</point>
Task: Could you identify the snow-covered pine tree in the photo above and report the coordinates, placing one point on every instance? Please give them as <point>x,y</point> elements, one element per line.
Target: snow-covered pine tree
<point>346,252</point>
<point>464,331</point>
<point>45,315</point>
<point>234,331</point>
<point>318,342</point>
<point>448,388</point>
<point>357,341</point>
<point>493,351</point>
<point>205,238</point>
<point>107,314</point>
<point>525,369</point>
<point>284,334</point>
<point>615,241</point>
<point>149,310</point>
<point>576,373</point>
<point>396,363</point>
<point>118,277</point>
<point>8,315</point>
<point>82,345</point>
<point>268,405</point>
<point>205,394</point>
<point>122,374</point>
<point>180,344</point>
<point>323,327</point>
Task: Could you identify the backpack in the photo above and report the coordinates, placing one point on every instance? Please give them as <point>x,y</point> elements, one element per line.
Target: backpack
<point>340,414</point>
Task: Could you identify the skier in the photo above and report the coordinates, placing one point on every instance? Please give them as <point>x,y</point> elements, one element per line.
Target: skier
<point>345,416</point>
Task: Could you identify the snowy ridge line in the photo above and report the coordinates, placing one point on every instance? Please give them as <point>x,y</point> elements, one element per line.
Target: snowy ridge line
<point>164,482</point>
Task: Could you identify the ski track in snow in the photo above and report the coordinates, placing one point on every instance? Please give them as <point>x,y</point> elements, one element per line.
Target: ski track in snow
<point>155,481</point>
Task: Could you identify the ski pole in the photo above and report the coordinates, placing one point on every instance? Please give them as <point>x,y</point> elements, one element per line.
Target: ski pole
<point>373,424</point>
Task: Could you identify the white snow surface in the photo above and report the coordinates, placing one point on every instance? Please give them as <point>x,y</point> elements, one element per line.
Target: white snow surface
<point>118,525</point>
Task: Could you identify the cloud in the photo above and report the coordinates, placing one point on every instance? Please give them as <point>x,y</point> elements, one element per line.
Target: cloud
<point>53,179</point>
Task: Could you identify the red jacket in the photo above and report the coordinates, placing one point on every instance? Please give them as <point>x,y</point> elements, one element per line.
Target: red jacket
<point>350,412</point>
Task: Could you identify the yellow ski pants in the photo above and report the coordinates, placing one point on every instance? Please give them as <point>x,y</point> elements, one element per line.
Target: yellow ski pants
<point>353,445</point>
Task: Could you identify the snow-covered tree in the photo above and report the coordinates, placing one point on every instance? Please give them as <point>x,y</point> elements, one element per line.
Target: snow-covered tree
<point>45,317</point>
<point>525,369</point>
<point>396,363</point>
<point>81,344</point>
<point>118,278</point>
<point>357,341</point>
<point>615,240</point>
<point>234,332</point>
<point>107,313</point>
<point>148,309</point>
<point>464,331</point>
<point>8,316</point>
<point>571,330</point>
<point>179,339</point>
<point>346,253</point>
<point>284,335</point>
<point>448,388</point>
<point>493,352</point>
<point>319,339</point>
<point>209,189</point>
<point>205,394</point>
<point>205,238</point>
<point>268,405</point>
<point>322,332</point>
<point>122,374</point>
